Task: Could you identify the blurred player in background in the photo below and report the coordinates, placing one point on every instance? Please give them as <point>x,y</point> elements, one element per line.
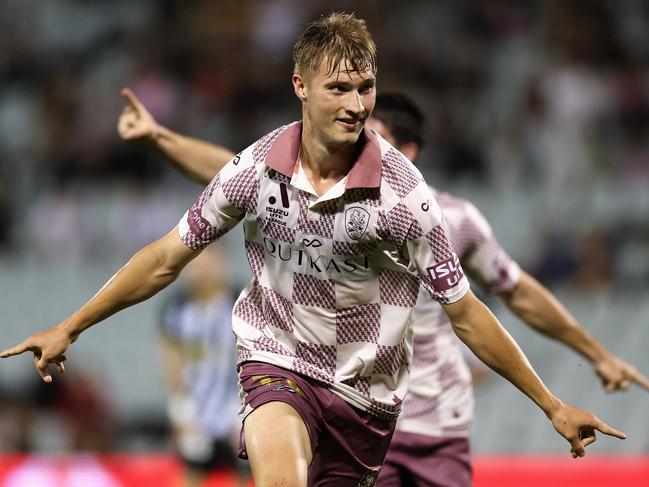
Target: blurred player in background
<point>341,231</point>
<point>199,358</point>
<point>430,445</point>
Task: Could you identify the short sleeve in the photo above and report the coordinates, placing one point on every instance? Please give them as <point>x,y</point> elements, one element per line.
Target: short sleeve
<point>223,203</point>
<point>486,261</point>
<point>418,230</point>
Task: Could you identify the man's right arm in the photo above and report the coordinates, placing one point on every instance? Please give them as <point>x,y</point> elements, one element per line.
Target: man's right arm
<point>198,160</point>
<point>150,270</point>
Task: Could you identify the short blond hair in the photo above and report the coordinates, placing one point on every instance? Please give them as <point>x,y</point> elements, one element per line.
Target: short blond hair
<point>338,37</point>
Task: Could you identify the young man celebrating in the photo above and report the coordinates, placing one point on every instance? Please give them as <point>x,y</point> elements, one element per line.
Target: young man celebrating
<point>341,230</point>
<point>431,442</point>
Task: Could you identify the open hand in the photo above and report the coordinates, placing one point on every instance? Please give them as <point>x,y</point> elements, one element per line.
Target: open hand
<point>579,426</point>
<point>136,122</point>
<point>48,347</point>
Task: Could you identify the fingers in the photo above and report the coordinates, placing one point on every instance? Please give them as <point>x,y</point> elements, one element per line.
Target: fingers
<point>132,100</point>
<point>17,350</point>
<point>577,448</point>
<point>41,367</point>
<point>617,385</point>
<point>638,379</point>
<point>588,440</point>
<point>601,426</point>
<point>60,365</point>
<point>578,445</point>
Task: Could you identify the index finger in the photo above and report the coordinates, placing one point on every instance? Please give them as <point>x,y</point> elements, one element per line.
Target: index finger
<point>17,350</point>
<point>639,379</point>
<point>131,99</point>
<point>607,430</point>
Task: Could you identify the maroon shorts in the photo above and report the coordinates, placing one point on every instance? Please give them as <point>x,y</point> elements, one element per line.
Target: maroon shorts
<point>426,461</point>
<point>348,444</point>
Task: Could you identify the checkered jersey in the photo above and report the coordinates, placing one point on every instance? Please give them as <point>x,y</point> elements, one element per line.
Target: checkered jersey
<point>326,299</point>
<point>440,398</point>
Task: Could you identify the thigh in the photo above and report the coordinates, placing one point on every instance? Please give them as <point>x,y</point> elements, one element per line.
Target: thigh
<point>351,447</point>
<point>278,446</point>
<point>389,476</point>
<point>430,461</point>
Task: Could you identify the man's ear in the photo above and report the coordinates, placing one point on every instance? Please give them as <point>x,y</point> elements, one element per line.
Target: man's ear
<point>410,150</point>
<point>299,85</point>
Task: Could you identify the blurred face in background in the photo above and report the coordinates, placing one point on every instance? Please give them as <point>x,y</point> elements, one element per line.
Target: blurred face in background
<point>409,149</point>
<point>336,103</point>
<point>380,128</point>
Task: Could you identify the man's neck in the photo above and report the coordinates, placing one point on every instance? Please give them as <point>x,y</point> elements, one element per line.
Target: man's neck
<point>324,166</point>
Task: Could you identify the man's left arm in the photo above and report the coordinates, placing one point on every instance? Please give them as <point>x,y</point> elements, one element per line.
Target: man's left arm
<point>419,230</point>
<point>479,329</point>
<point>496,272</point>
<point>536,306</point>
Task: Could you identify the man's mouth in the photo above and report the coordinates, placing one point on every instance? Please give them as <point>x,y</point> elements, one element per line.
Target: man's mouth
<point>350,123</point>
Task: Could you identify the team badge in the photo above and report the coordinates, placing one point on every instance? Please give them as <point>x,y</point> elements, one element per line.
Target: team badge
<point>356,221</point>
<point>369,478</point>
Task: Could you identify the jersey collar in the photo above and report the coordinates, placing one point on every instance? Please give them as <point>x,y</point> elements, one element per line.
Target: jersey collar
<point>365,173</point>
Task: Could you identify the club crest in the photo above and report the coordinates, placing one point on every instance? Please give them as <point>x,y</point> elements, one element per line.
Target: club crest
<point>369,479</point>
<point>356,221</point>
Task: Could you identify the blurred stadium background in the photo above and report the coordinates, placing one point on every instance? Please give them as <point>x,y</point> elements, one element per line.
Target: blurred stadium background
<point>538,111</point>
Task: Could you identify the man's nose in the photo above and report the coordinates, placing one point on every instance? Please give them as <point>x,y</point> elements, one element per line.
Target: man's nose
<point>355,104</point>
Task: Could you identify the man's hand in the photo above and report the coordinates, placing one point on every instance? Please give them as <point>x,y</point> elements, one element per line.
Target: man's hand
<point>48,347</point>
<point>616,374</point>
<point>578,427</point>
<point>136,123</point>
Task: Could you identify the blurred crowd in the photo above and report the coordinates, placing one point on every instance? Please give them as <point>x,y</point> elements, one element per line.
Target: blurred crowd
<point>535,97</point>
<point>550,95</point>
<point>547,96</point>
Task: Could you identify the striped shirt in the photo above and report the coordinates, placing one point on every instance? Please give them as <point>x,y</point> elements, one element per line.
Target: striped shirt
<point>203,331</point>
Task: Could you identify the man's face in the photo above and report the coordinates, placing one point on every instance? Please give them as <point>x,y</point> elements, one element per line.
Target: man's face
<point>336,104</point>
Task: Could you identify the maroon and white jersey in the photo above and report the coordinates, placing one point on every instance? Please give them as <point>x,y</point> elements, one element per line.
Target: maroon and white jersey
<point>440,397</point>
<point>326,299</point>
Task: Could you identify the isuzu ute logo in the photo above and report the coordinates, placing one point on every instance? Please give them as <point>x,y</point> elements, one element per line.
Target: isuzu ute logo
<point>446,274</point>
<point>356,221</point>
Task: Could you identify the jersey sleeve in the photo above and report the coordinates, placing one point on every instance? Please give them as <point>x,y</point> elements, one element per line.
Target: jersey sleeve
<point>223,203</point>
<point>418,229</point>
<point>486,261</point>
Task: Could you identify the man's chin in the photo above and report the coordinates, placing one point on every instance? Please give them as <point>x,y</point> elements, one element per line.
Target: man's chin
<point>346,139</point>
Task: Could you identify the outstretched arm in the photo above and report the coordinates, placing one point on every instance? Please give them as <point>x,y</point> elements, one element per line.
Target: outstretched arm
<point>537,307</point>
<point>149,271</point>
<point>477,327</point>
<point>198,160</point>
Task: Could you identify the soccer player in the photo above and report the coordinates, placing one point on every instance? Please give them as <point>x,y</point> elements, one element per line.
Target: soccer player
<point>431,442</point>
<point>430,445</point>
<point>341,231</point>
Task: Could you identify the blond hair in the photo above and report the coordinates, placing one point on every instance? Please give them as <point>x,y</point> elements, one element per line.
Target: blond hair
<point>337,38</point>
